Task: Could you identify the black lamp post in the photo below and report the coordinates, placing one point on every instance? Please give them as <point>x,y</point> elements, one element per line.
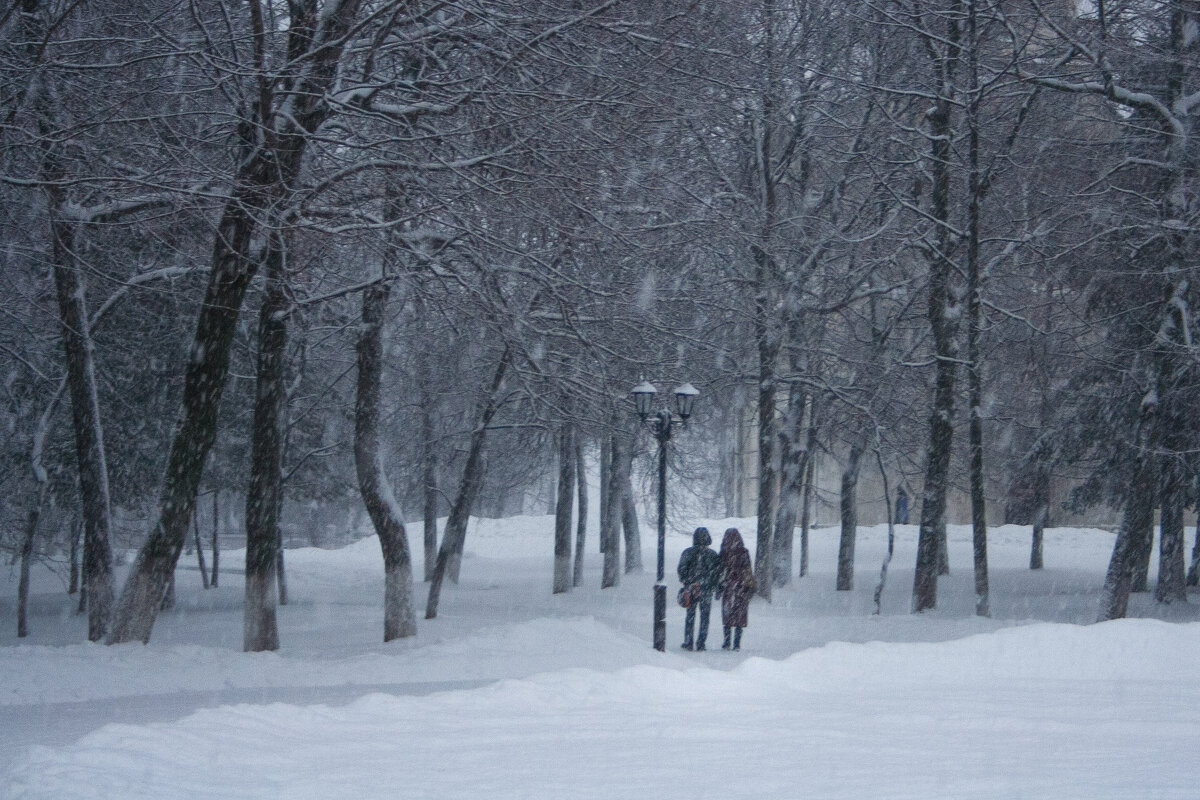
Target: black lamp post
<point>660,423</point>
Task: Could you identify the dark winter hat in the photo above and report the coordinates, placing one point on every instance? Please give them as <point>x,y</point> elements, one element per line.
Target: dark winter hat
<point>701,538</point>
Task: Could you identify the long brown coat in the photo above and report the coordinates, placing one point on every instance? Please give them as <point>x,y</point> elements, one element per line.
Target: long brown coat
<point>737,581</point>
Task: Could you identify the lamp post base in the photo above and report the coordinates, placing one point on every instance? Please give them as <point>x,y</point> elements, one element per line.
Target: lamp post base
<point>660,617</point>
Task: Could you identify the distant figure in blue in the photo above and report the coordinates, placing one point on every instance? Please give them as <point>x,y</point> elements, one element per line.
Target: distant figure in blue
<point>901,506</point>
<point>699,570</point>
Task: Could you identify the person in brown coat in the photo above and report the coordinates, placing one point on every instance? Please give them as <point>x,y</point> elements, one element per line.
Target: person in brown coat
<point>736,586</point>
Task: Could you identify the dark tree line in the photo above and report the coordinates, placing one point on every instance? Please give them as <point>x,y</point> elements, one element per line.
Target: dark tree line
<point>399,256</point>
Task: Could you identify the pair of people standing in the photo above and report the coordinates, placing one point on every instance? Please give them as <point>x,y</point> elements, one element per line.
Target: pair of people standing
<point>728,574</point>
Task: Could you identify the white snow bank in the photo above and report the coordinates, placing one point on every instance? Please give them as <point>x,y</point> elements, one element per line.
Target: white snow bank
<point>45,675</point>
<point>1121,650</point>
<point>1039,711</point>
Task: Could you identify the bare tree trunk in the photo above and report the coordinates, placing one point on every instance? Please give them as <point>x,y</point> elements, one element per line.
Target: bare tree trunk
<point>76,339</point>
<point>199,550</point>
<point>633,533</point>
<point>978,508</point>
<point>1193,575</point>
<point>280,568</point>
<point>766,329</point>
<point>85,413</point>
<point>398,616</point>
<point>1171,585</point>
<point>931,537</point>
<point>280,572</point>
<point>456,524</point>
<point>76,536</point>
<point>739,465</point>
<point>581,523</point>
<point>611,574</point>
<point>629,519</point>
<point>891,546</point>
<point>168,601</point>
<point>933,499</point>
<point>1136,523</point>
<point>429,489</point>
<point>943,327</point>
<point>26,554</point>
<point>1041,515</point>
<point>975,190</point>
<point>943,548</point>
<point>1143,549</point>
<point>810,471</point>
<point>81,607</point>
<point>1042,464</point>
<point>259,629</point>
<point>454,564</point>
<point>767,478</point>
<point>562,511</point>
<point>845,573</point>
<point>216,529</point>
<point>605,480</point>
<point>793,463</point>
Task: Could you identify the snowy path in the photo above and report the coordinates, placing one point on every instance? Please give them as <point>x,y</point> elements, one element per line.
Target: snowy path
<point>1044,711</point>
<point>58,724</point>
<point>515,693</point>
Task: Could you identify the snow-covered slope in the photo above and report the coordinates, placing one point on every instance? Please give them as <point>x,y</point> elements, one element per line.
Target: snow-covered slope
<point>513,692</point>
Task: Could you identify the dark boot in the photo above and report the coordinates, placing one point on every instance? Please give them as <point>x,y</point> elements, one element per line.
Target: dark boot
<point>737,638</point>
<point>725,642</point>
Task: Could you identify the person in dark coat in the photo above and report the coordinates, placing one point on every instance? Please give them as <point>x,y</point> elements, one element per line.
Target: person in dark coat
<point>736,586</point>
<point>698,571</point>
<point>901,506</point>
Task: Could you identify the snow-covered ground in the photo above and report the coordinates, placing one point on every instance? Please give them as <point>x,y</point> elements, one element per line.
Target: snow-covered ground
<point>515,693</point>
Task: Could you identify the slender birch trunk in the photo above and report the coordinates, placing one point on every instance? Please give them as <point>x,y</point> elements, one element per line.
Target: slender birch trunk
<point>70,293</point>
<point>1193,575</point>
<point>975,323</point>
<point>216,530</point>
<point>199,550</point>
<point>891,542</point>
<point>259,629</point>
<point>605,480</point>
<point>793,463</point>
<point>1172,583</point>
<point>85,414</point>
<point>455,534</point>
<point>398,616</point>
<point>562,511</point>
<point>1140,552</point>
<point>611,574</point>
<point>845,570</point>
<point>629,521</point>
<point>942,325</point>
<point>581,523</point>
<point>429,488</point>
<point>76,541</point>
<point>810,471</point>
<point>766,333</point>
<point>1138,519</point>
<point>26,559</point>
<point>1041,514</point>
